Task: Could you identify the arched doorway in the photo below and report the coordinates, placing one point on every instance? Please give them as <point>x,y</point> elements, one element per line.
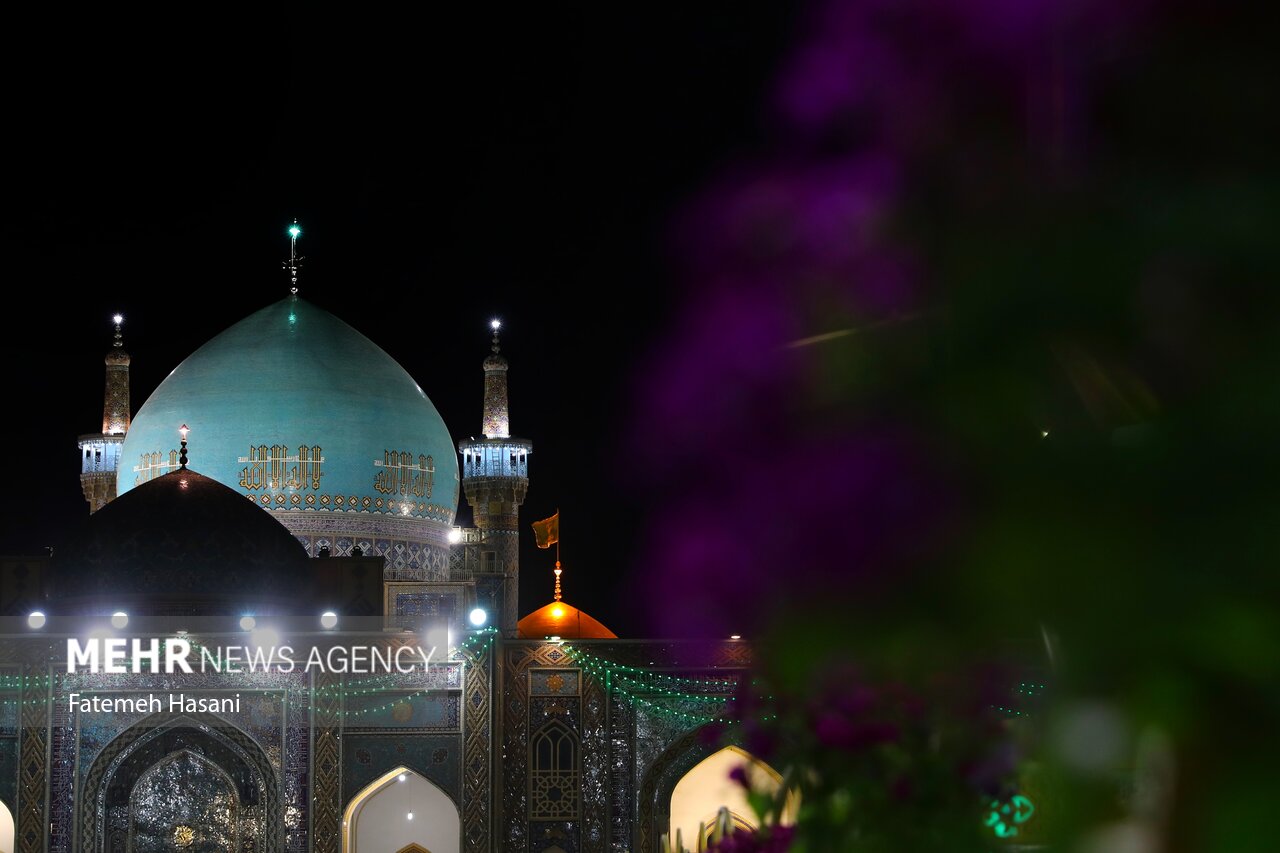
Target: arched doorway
<point>6,829</point>
<point>404,812</point>
<point>178,783</point>
<point>184,800</point>
<point>689,759</point>
<point>707,787</point>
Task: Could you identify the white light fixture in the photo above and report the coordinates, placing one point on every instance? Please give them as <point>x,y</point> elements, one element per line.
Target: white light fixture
<point>479,617</point>
<point>555,639</point>
<point>410,815</point>
<point>438,637</point>
<point>247,623</point>
<point>117,319</point>
<point>495,324</point>
<point>265,638</point>
<point>455,536</point>
<point>403,777</point>
<point>328,620</point>
<point>119,620</point>
<point>36,619</point>
<point>735,636</point>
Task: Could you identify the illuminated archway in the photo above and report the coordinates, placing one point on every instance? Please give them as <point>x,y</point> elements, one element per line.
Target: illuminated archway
<point>184,796</point>
<point>706,788</point>
<point>205,748</point>
<point>6,829</point>
<point>378,818</point>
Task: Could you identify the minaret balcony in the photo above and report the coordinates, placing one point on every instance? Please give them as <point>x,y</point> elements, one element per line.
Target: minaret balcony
<point>495,457</point>
<point>99,453</point>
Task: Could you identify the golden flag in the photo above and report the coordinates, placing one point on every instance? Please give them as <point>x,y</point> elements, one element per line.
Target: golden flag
<point>547,531</point>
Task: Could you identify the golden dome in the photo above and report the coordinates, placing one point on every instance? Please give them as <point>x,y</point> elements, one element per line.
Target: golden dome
<point>559,619</point>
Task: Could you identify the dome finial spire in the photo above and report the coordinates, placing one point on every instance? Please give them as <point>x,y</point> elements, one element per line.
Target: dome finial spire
<point>118,319</point>
<point>295,261</point>
<point>182,453</point>
<point>495,324</point>
<point>558,571</point>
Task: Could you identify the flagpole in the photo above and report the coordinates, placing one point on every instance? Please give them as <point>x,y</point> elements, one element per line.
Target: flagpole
<point>558,569</point>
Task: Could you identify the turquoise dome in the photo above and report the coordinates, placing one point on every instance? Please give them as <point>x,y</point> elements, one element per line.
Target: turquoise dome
<point>308,418</point>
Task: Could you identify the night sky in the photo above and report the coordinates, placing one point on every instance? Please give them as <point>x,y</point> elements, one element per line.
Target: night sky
<point>522,162</point>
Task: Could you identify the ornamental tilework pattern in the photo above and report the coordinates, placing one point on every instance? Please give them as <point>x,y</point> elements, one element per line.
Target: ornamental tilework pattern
<point>411,711</point>
<point>478,752</point>
<point>595,769</point>
<point>550,835</point>
<point>30,658</point>
<point>326,764</point>
<point>414,548</point>
<point>434,757</point>
<point>622,799</point>
<point>411,606</point>
<point>553,682</point>
<point>389,508</point>
<point>543,710</point>
<point>513,834</point>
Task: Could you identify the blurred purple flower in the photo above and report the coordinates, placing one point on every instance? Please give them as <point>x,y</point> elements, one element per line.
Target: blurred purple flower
<point>836,731</point>
<point>769,231</point>
<point>776,839</point>
<point>741,543</point>
<point>768,492</point>
<point>759,740</point>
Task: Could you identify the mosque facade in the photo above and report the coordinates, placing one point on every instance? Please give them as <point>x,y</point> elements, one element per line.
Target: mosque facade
<point>312,475</point>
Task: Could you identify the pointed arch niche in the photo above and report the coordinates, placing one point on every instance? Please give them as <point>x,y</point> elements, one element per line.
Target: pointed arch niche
<point>706,788</point>
<point>377,819</point>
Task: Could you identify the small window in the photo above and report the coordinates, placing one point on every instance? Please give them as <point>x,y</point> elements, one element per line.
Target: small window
<point>553,777</point>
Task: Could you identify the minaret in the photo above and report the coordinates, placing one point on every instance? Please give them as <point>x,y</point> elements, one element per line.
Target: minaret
<point>495,478</point>
<point>100,453</point>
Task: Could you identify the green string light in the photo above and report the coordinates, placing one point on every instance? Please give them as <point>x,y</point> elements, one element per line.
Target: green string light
<point>628,682</point>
